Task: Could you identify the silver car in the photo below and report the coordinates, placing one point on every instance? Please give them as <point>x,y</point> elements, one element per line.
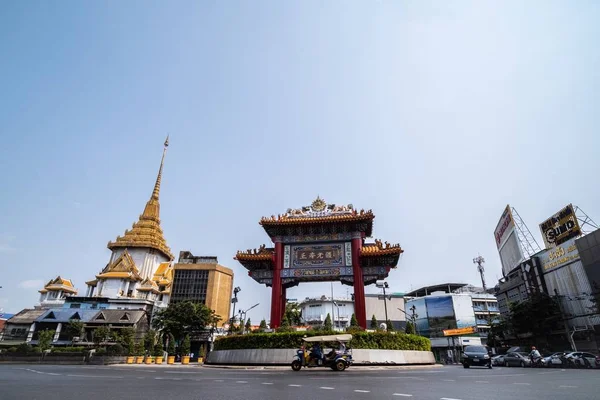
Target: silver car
<point>517,359</point>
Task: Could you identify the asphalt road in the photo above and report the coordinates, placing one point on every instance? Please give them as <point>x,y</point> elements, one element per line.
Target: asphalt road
<point>61,382</point>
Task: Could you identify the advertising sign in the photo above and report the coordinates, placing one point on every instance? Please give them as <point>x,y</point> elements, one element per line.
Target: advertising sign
<point>505,227</point>
<point>558,256</point>
<point>507,242</point>
<point>460,331</point>
<point>560,227</point>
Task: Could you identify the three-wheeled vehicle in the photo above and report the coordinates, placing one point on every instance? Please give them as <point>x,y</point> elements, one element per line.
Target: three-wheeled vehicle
<point>337,360</point>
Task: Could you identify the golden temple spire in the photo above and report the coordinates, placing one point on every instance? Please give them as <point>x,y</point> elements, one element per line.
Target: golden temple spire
<point>147,232</point>
<point>156,190</point>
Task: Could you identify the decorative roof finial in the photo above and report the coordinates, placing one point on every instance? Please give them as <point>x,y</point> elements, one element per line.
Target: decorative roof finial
<point>156,190</point>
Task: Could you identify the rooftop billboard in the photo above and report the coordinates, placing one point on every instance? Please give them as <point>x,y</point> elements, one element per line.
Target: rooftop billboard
<point>560,227</point>
<point>507,241</point>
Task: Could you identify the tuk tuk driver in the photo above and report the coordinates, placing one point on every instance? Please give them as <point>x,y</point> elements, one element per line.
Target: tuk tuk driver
<point>316,352</point>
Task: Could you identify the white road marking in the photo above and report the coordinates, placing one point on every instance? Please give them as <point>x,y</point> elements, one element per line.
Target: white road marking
<point>95,376</point>
<point>267,383</point>
<point>568,386</point>
<point>53,373</point>
<point>448,398</point>
<point>219,380</point>
<point>482,381</point>
<point>158,377</point>
<point>176,372</point>
<point>479,376</point>
<point>295,385</point>
<point>362,391</point>
<point>521,383</point>
<point>449,380</point>
<point>402,394</point>
<point>241,381</point>
<point>326,388</point>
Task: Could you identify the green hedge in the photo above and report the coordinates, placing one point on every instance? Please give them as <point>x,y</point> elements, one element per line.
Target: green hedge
<point>292,340</point>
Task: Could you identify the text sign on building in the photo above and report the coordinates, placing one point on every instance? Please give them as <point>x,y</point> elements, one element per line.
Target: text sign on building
<point>560,255</point>
<point>460,331</point>
<point>319,255</point>
<point>560,227</point>
<point>504,228</point>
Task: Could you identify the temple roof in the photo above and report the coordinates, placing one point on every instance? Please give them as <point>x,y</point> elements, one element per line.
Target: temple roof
<point>320,213</point>
<point>59,283</point>
<point>164,276</point>
<point>146,232</point>
<point>123,268</point>
<point>379,249</point>
<point>148,285</point>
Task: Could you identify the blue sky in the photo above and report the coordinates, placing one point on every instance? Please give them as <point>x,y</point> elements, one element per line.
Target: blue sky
<point>433,114</point>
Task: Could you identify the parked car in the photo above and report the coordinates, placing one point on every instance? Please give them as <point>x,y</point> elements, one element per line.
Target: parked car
<point>553,360</point>
<point>517,359</point>
<point>476,356</point>
<point>584,360</point>
<point>498,360</point>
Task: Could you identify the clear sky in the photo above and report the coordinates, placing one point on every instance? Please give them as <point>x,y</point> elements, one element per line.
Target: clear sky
<point>433,114</point>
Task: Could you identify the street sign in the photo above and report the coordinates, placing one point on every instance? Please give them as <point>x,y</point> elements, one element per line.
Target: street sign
<point>459,331</point>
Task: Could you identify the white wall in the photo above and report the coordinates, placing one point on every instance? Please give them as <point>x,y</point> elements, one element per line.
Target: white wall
<point>376,307</point>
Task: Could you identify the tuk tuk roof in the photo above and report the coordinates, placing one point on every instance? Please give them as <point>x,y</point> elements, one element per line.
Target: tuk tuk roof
<point>329,338</point>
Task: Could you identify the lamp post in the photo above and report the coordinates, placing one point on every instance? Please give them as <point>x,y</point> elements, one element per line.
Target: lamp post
<point>338,310</point>
<point>384,285</point>
<point>244,314</point>
<point>413,317</point>
<point>234,300</point>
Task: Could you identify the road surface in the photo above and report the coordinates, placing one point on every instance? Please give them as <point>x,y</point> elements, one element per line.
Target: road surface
<point>63,382</point>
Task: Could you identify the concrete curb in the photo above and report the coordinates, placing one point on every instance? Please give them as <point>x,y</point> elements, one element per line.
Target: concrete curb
<point>356,367</point>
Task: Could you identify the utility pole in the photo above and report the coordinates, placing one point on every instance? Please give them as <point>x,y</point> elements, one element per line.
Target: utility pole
<point>480,261</point>
<point>234,301</point>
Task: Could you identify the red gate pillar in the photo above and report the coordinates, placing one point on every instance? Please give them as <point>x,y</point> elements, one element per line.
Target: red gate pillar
<point>283,302</point>
<point>276,287</point>
<point>359,284</point>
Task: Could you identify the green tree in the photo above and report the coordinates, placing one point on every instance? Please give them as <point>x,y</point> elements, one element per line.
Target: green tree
<point>158,350</point>
<point>353,321</point>
<point>45,339</point>
<point>390,326</point>
<point>101,335</point>
<point>285,325</point>
<point>373,322</point>
<point>181,318</point>
<point>538,316</point>
<point>139,348</point>
<point>328,325</point>
<point>185,346</point>
<point>75,328</point>
<point>263,325</point>
<point>248,325</point>
<point>149,340</point>
<point>410,328</point>
<point>293,313</point>
<point>171,345</point>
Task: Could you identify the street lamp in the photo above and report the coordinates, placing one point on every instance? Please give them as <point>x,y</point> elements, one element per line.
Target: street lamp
<point>413,317</point>
<point>384,285</point>
<point>234,300</point>
<point>244,314</point>
<point>338,309</point>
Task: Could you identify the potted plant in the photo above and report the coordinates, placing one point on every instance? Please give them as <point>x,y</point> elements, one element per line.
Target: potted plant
<point>185,350</point>
<point>130,350</point>
<point>149,340</point>
<point>171,350</point>
<point>158,352</point>
<point>139,352</point>
<point>201,355</point>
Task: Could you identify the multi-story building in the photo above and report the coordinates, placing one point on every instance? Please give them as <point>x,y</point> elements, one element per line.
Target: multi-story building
<point>55,292</point>
<point>393,303</point>
<point>201,279</point>
<point>315,310</point>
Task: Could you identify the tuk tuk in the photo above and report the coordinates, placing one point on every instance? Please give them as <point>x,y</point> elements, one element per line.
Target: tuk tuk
<point>337,359</point>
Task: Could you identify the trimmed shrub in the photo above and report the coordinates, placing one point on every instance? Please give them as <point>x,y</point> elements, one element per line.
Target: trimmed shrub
<point>68,349</point>
<point>24,348</point>
<point>292,340</point>
<point>116,350</point>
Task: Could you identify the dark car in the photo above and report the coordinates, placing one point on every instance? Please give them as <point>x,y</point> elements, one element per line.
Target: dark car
<point>476,356</point>
<point>517,359</point>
